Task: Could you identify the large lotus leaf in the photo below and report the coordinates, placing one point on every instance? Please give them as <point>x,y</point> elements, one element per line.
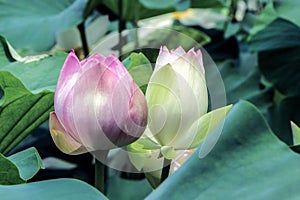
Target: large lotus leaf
<point>126,189</point>
<point>245,84</point>
<point>208,4</point>
<point>281,67</point>
<point>140,9</point>
<point>133,9</point>
<point>58,189</point>
<point>286,9</point>
<point>276,9</point>
<point>248,162</point>
<point>267,15</point>
<point>21,111</point>
<point>25,103</point>
<point>150,40</point>
<point>33,24</point>
<point>181,4</point>
<point>37,75</point>
<point>279,48</point>
<point>278,34</point>
<point>281,115</point>
<point>159,4</point>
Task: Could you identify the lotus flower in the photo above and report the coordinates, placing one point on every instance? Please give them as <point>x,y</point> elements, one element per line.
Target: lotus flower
<point>177,101</point>
<point>97,105</point>
<point>177,96</point>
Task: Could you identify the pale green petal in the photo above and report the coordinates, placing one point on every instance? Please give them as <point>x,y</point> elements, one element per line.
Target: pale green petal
<point>144,143</point>
<point>148,160</point>
<point>195,79</point>
<point>296,133</point>
<point>164,105</point>
<point>62,139</point>
<point>154,177</point>
<point>144,153</point>
<point>202,127</point>
<point>168,152</point>
<point>174,104</point>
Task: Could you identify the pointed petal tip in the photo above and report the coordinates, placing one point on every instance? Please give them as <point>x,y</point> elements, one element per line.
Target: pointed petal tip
<point>113,63</point>
<point>95,56</point>
<point>199,52</point>
<point>164,48</point>
<point>194,52</point>
<point>70,66</point>
<point>72,55</point>
<point>178,52</point>
<point>179,48</point>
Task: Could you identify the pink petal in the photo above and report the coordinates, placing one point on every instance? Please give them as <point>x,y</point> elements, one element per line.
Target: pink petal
<point>95,56</point>
<point>179,51</point>
<point>115,66</point>
<point>129,109</point>
<point>70,67</point>
<point>195,59</point>
<point>168,57</point>
<point>92,94</point>
<point>163,58</point>
<point>66,81</point>
<point>66,116</point>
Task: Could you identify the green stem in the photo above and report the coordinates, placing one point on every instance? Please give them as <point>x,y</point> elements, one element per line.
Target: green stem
<point>231,13</point>
<point>121,26</point>
<point>100,176</point>
<point>100,171</point>
<point>166,170</point>
<point>135,22</point>
<point>136,44</point>
<point>83,39</point>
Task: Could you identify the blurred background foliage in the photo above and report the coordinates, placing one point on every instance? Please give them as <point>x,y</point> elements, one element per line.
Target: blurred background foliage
<point>255,44</point>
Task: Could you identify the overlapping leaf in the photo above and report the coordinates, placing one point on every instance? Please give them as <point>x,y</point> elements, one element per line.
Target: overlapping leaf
<point>281,115</point>
<point>21,111</point>
<point>139,68</point>
<point>242,165</point>
<point>140,9</point>
<point>245,85</point>
<point>20,167</point>
<point>25,102</point>
<point>279,48</point>
<point>33,24</point>
<point>28,162</point>
<point>59,189</point>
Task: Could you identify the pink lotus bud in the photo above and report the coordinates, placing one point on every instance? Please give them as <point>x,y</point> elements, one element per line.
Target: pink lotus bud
<point>97,105</point>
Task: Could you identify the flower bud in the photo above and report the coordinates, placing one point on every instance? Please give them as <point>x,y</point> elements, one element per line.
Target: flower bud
<point>176,96</point>
<point>97,105</point>
<point>178,121</point>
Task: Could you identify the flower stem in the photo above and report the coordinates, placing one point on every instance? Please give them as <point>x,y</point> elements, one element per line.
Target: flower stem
<point>100,171</point>
<point>83,39</point>
<point>135,22</point>
<point>121,26</point>
<point>165,170</point>
<point>100,176</point>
